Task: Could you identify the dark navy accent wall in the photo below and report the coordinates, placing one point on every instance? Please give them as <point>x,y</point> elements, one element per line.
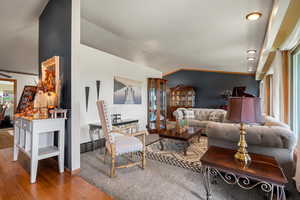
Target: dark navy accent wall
<point>210,85</point>
<point>55,40</point>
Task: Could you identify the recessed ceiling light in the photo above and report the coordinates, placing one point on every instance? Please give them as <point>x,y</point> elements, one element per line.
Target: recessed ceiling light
<point>250,58</point>
<point>251,51</point>
<point>251,69</point>
<point>253,16</point>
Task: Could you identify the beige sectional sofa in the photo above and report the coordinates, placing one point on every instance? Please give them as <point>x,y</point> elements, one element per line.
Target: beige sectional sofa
<point>200,116</point>
<point>272,138</point>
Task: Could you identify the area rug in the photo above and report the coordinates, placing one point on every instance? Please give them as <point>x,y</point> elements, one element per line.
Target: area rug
<point>158,181</point>
<point>173,152</point>
<point>6,138</point>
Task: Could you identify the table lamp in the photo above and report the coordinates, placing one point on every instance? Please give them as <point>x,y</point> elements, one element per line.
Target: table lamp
<point>244,110</point>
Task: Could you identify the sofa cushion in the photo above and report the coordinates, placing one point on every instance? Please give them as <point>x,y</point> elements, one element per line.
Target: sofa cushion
<point>202,113</point>
<point>197,123</point>
<point>271,121</point>
<point>266,136</point>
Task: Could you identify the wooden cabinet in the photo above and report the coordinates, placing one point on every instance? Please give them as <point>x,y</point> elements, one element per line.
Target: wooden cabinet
<point>157,105</point>
<point>180,97</point>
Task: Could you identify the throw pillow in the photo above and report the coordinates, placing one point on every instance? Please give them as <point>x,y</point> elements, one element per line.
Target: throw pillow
<point>189,114</point>
<point>216,116</point>
<point>179,113</point>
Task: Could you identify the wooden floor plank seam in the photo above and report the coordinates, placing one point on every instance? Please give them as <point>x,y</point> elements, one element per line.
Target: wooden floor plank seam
<point>15,182</point>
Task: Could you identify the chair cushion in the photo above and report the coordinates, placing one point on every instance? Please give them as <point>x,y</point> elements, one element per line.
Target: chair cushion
<point>126,144</point>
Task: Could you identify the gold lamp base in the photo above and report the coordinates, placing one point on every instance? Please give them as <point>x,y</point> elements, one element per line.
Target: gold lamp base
<point>242,154</point>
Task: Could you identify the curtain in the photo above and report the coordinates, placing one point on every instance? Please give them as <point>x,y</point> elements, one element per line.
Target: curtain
<point>267,94</point>
<point>285,90</point>
<point>277,87</point>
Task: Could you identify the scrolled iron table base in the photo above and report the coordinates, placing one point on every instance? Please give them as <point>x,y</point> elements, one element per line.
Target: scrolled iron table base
<point>245,182</point>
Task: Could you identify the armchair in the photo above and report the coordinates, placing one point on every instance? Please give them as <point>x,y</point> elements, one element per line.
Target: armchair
<point>118,142</point>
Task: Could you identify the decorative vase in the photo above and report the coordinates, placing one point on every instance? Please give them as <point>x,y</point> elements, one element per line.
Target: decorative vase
<point>51,100</point>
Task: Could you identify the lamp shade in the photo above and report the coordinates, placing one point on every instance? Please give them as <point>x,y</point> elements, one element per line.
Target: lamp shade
<point>244,110</point>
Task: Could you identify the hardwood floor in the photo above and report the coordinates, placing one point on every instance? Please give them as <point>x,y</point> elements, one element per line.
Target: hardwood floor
<point>15,183</point>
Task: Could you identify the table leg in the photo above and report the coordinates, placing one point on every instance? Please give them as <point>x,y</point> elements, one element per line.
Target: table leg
<point>271,193</point>
<point>99,133</point>
<point>161,144</point>
<point>187,144</point>
<point>34,156</point>
<point>61,147</point>
<point>280,194</point>
<point>16,141</point>
<point>206,181</point>
<point>91,132</point>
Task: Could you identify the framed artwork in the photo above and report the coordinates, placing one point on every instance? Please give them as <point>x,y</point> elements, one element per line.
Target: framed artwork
<point>127,91</point>
<point>27,98</point>
<point>50,75</point>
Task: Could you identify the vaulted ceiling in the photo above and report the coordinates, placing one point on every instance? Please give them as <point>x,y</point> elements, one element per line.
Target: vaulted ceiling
<point>172,34</point>
<point>19,34</point>
<point>166,35</point>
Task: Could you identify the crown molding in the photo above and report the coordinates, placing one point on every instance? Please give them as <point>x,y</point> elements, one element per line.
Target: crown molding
<point>207,70</point>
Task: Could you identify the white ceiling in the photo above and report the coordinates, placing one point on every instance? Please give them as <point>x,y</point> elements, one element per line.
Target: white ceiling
<point>172,34</point>
<point>19,34</point>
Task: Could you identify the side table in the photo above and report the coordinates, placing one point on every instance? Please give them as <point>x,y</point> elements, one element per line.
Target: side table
<point>263,172</point>
<point>27,139</point>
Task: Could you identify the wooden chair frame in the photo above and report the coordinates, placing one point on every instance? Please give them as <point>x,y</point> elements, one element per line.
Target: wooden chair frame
<point>111,148</point>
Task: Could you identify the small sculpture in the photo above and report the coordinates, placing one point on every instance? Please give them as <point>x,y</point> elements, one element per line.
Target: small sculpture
<point>44,100</point>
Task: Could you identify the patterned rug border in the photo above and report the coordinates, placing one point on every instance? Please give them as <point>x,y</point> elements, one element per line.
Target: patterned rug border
<point>174,162</point>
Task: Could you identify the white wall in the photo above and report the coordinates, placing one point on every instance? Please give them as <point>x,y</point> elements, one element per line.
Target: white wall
<point>75,80</point>
<point>98,65</point>
<point>22,80</point>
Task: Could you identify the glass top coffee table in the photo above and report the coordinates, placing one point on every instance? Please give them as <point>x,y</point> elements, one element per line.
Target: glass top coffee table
<point>185,136</point>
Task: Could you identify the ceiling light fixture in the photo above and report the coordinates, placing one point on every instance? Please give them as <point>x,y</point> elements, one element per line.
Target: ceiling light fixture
<point>253,16</point>
<point>250,58</point>
<point>251,51</point>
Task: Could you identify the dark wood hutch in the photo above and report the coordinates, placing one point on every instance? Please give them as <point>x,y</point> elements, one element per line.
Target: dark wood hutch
<point>180,96</point>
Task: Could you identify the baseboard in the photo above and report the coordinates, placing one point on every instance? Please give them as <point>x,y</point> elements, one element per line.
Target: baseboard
<point>88,146</point>
<point>73,172</point>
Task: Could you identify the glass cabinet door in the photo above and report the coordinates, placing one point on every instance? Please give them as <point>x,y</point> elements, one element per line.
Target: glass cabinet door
<point>157,105</point>
<point>163,105</point>
<point>152,111</point>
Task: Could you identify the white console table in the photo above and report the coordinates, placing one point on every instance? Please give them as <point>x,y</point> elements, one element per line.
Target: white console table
<point>35,137</point>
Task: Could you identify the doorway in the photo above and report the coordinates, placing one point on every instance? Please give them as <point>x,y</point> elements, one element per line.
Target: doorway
<point>7,102</point>
<point>8,98</point>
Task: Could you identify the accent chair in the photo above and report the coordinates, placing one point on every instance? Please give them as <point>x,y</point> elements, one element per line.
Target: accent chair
<point>118,142</point>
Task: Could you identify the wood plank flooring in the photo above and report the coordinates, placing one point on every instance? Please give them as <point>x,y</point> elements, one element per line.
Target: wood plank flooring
<point>15,185</point>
